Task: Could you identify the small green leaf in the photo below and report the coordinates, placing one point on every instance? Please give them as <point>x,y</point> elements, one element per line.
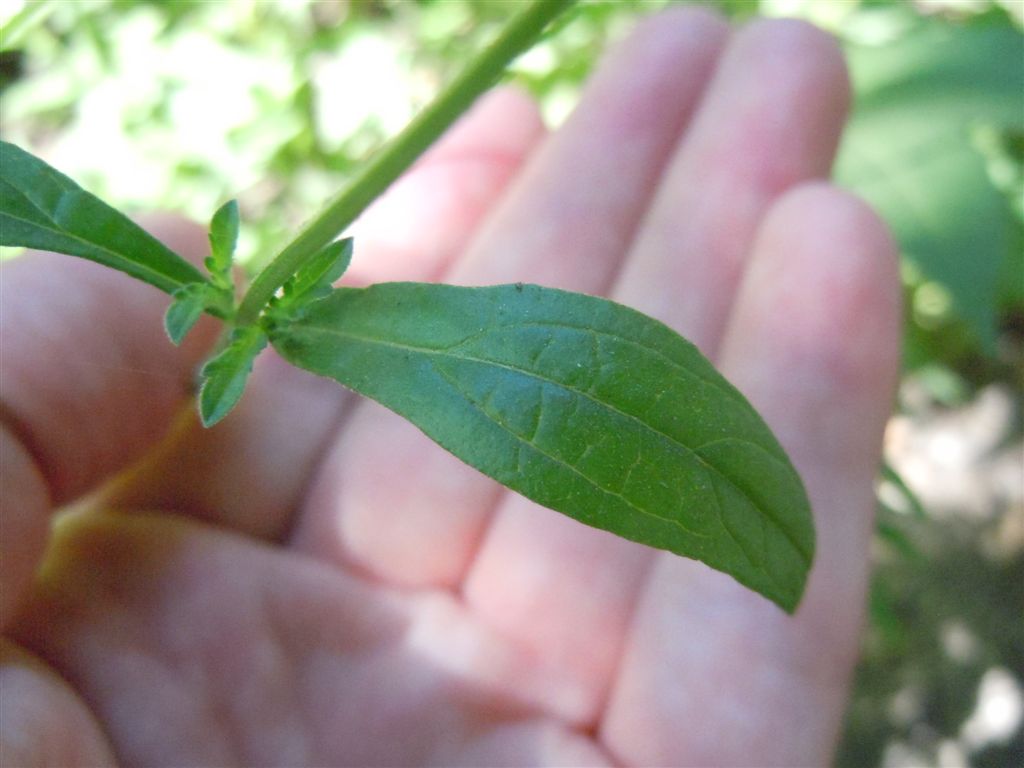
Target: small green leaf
<point>190,301</point>
<point>317,275</point>
<point>583,405</point>
<point>183,313</point>
<point>42,208</point>
<point>225,375</point>
<point>223,240</point>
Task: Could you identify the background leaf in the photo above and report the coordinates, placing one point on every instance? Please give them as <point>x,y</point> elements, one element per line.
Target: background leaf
<point>580,404</point>
<point>42,208</point>
<point>225,375</point>
<point>908,151</point>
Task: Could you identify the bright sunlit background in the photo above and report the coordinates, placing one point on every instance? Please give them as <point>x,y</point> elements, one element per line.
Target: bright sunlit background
<point>184,104</point>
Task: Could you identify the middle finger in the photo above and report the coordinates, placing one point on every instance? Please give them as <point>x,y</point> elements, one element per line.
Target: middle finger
<point>771,117</point>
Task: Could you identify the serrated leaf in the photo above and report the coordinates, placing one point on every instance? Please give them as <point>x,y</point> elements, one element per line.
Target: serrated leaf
<point>190,301</point>
<point>225,375</point>
<point>583,405</point>
<point>318,274</point>
<point>908,151</point>
<point>223,240</point>
<point>42,208</point>
<point>183,313</point>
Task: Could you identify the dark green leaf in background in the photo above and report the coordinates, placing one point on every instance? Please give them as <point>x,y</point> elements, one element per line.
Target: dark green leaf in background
<point>42,208</point>
<point>580,404</point>
<point>908,151</point>
<point>225,375</point>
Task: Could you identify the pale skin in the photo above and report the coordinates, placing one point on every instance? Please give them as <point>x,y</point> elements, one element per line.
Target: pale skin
<point>313,582</point>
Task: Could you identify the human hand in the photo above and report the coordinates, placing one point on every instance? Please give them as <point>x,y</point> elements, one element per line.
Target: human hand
<point>313,582</point>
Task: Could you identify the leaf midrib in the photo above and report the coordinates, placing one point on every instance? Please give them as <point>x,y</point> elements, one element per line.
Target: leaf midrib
<point>674,364</point>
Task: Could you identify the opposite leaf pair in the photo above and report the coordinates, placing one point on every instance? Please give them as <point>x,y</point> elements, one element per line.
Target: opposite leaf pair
<point>222,380</point>
<point>223,377</point>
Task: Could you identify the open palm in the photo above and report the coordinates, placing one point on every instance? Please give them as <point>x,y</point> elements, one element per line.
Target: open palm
<point>313,582</point>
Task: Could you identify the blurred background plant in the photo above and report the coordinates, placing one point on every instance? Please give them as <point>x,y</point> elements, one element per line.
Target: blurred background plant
<point>180,105</point>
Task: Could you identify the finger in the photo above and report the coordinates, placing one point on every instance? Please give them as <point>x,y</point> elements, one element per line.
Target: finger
<point>24,521</point>
<point>89,382</point>
<point>413,233</point>
<point>251,471</point>
<point>813,343</point>
<point>44,722</point>
<point>245,654</point>
<point>571,215</point>
<point>423,222</point>
<point>772,118</point>
<point>565,222</point>
<point>89,378</point>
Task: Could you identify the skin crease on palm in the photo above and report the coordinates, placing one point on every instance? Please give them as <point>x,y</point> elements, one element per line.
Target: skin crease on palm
<point>313,582</point>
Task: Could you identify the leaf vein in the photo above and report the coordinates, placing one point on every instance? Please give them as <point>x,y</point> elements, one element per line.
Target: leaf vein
<point>554,459</point>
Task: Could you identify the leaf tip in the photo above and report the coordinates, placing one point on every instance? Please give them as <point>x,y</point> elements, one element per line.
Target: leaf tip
<point>175,332</point>
<point>212,411</point>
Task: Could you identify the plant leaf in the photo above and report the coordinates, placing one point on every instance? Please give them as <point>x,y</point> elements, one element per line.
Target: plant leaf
<point>907,150</point>
<point>190,301</point>
<point>583,405</point>
<point>890,475</point>
<point>223,241</point>
<point>42,208</point>
<point>224,376</point>
<point>183,313</point>
<point>317,274</point>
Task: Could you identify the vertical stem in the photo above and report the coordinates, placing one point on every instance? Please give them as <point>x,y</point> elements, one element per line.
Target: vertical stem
<point>383,169</point>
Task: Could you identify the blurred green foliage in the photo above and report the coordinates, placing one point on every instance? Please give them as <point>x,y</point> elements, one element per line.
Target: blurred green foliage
<point>909,150</point>
<point>182,105</point>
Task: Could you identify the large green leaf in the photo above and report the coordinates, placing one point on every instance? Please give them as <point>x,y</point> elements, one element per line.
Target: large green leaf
<point>581,404</point>
<point>963,71</point>
<point>908,151</point>
<point>42,208</point>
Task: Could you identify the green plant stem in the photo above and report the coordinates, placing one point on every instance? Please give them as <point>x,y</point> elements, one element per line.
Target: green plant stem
<point>517,36</point>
